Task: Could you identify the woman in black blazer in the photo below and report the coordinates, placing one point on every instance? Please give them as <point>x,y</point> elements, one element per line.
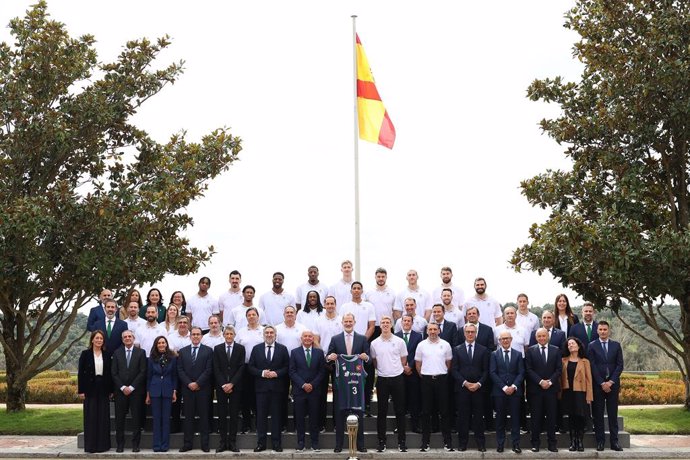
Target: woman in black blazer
<point>94,388</point>
<point>161,391</point>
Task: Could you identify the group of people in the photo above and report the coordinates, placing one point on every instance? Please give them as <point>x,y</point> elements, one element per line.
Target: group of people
<point>447,362</point>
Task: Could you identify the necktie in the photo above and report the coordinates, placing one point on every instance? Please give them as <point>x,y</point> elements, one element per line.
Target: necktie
<point>407,338</point>
<point>194,354</point>
<point>308,357</point>
<point>549,335</point>
<point>129,356</point>
<point>348,344</point>
<point>506,357</point>
<point>228,352</point>
<point>268,355</point>
<point>469,351</point>
<point>543,353</point>
<point>440,328</point>
<point>110,327</point>
<point>606,348</point>
<point>589,332</point>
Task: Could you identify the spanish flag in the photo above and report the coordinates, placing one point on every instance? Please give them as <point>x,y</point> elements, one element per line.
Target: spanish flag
<point>374,123</point>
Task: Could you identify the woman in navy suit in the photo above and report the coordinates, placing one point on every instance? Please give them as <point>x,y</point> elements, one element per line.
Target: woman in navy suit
<point>94,387</point>
<point>160,391</point>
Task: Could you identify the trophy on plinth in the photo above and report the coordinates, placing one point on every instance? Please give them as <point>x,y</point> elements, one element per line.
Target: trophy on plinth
<point>352,422</point>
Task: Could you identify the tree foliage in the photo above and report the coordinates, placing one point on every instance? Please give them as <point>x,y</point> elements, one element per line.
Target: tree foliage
<point>619,224</point>
<point>87,199</point>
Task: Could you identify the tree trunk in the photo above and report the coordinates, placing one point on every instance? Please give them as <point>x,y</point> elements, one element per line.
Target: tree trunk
<point>16,389</point>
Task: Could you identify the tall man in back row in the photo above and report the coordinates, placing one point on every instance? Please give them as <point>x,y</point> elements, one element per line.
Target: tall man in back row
<point>350,344</point>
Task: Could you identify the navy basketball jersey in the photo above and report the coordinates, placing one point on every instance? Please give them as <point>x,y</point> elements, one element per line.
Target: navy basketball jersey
<point>350,377</point>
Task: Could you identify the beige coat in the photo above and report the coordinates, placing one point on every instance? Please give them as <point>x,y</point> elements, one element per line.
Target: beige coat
<point>582,380</point>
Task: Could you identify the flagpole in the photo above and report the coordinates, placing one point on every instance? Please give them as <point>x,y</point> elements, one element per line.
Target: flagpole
<point>356,144</point>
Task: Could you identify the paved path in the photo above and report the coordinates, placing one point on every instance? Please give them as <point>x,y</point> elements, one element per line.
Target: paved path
<point>643,447</point>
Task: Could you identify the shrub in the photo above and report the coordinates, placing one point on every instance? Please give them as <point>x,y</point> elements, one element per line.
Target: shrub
<point>671,375</point>
<point>636,390</point>
<point>51,387</point>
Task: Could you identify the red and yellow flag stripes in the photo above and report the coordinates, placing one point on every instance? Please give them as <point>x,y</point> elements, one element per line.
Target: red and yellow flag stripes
<point>374,123</point>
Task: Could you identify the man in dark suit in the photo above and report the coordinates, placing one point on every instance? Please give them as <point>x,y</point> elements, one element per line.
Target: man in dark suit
<point>269,363</point>
<point>470,370</point>
<point>543,367</point>
<point>507,372</point>
<point>485,337</point>
<point>128,369</point>
<point>606,359</point>
<point>585,330</point>
<point>195,371</point>
<point>556,337</point>
<point>112,326</point>
<point>97,313</point>
<point>348,342</point>
<point>449,330</point>
<point>307,372</point>
<point>413,396</point>
<point>228,372</point>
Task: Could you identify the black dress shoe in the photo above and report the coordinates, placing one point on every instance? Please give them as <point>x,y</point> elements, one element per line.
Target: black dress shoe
<point>462,448</point>
<point>337,450</point>
<point>259,448</point>
<point>499,449</point>
<point>535,449</point>
<point>205,449</point>
<point>600,446</point>
<point>481,449</point>
<point>135,449</point>
<point>362,450</point>
<point>185,449</point>
<point>517,449</point>
<point>616,447</point>
<point>553,449</point>
<point>221,449</point>
<point>277,449</point>
<point>120,449</point>
<point>234,449</point>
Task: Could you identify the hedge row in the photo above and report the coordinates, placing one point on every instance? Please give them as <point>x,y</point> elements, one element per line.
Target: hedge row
<point>59,387</point>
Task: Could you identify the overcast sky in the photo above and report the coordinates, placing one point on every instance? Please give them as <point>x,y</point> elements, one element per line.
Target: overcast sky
<point>453,77</point>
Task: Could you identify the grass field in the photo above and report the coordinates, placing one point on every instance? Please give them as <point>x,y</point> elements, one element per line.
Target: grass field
<point>53,421</point>
<point>671,420</point>
<point>59,421</point>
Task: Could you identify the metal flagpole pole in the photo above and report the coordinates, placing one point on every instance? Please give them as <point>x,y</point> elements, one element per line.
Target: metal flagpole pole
<point>356,124</point>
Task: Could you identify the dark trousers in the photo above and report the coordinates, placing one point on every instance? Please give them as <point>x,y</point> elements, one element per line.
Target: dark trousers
<point>486,389</point>
<point>307,405</point>
<point>340,427</point>
<point>195,403</point>
<point>228,409</point>
<point>470,407</point>
<point>610,402</point>
<point>160,410</point>
<point>386,387</point>
<point>435,390</point>
<point>323,399</point>
<point>269,403</point>
<point>543,405</point>
<point>248,401</point>
<point>133,404</point>
<point>413,398</point>
<point>508,405</point>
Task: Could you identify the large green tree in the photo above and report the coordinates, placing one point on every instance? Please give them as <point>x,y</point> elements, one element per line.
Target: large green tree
<point>619,224</point>
<point>86,198</point>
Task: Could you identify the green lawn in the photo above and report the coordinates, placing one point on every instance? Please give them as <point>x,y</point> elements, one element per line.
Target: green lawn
<point>51,421</point>
<point>58,421</point>
<point>671,420</point>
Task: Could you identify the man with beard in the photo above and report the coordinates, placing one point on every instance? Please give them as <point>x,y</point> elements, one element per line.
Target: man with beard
<point>274,301</point>
<point>585,330</point>
<point>382,298</point>
<point>133,319</point>
<point>312,284</point>
<point>421,297</point>
<point>489,308</point>
<point>147,333</point>
<point>230,298</point>
<point>418,322</point>
<point>112,326</point>
<point>447,283</point>
<point>452,312</point>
